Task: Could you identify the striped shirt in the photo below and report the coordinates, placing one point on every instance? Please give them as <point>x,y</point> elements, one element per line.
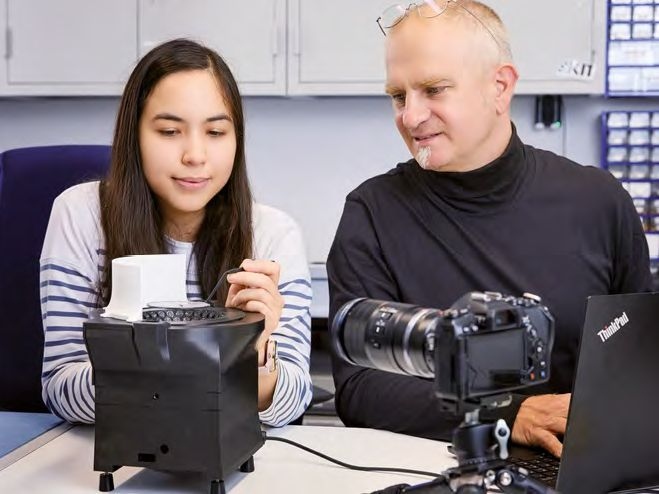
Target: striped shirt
<point>72,261</point>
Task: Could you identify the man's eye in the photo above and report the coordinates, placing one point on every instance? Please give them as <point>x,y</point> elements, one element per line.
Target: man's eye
<point>398,99</point>
<point>435,90</point>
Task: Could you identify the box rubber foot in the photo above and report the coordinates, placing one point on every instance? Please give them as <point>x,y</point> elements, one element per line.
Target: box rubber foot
<point>248,466</point>
<point>106,482</point>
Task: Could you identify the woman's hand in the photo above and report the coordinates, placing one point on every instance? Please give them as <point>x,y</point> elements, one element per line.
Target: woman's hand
<point>257,290</point>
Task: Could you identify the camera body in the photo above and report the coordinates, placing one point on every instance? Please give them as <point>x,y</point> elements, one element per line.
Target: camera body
<point>482,348</point>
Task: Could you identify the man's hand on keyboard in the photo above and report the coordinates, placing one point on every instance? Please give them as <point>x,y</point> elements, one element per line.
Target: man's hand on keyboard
<point>540,420</point>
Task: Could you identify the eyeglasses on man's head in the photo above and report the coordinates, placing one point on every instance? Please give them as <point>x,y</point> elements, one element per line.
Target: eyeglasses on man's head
<point>427,9</point>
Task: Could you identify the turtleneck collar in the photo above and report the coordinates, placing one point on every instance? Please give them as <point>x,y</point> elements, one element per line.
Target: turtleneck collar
<point>483,190</point>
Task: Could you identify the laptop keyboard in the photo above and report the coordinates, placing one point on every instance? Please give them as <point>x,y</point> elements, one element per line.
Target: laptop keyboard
<point>543,467</point>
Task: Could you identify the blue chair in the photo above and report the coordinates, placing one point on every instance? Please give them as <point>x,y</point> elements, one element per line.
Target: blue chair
<point>30,179</point>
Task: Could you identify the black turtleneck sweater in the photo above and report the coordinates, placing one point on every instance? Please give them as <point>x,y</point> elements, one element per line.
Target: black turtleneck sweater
<point>530,221</point>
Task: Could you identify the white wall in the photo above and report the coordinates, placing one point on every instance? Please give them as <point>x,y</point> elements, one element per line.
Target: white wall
<point>304,154</point>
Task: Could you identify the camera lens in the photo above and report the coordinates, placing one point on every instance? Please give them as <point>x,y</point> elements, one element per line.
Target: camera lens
<point>485,345</point>
<point>389,336</point>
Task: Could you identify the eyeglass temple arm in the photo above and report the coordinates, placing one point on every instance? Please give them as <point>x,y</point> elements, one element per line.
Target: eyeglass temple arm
<point>380,25</point>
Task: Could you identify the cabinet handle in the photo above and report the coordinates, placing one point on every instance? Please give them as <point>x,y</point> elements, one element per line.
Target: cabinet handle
<point>9,42</point>
<point>296,27</point>
<point>275,31</point>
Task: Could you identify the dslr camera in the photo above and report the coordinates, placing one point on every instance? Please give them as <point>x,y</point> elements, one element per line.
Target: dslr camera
<point>477,351</point>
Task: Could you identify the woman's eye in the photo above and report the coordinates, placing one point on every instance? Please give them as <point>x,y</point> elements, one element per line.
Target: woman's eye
<point>216,133</point>
<point>168,132</point>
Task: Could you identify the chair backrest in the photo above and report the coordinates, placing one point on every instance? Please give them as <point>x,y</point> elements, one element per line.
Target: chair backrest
<point>30,179</point>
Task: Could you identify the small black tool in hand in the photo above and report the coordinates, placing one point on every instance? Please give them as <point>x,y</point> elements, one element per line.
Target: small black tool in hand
<point>219,282</point>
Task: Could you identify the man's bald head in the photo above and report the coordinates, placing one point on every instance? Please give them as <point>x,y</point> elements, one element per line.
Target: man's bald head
<point>484,29</point>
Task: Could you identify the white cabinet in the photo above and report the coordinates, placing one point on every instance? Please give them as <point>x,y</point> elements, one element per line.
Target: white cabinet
<point>559,46</point>
<point>337,48</point>
<point>249,35</point>
<point>89,47</point>
<point>66,46</point>
<point>275,47</point>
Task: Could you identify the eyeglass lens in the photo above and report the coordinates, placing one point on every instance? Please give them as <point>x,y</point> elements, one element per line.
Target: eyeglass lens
<point>428,9</point>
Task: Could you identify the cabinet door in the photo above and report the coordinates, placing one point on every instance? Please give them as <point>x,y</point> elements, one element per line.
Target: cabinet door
<point>249,35</point>
<point>67,46</point>
<point>558,45</point>
<point>336,47</point>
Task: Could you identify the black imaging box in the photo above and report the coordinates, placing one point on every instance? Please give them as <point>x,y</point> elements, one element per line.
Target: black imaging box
<point>181,398</point>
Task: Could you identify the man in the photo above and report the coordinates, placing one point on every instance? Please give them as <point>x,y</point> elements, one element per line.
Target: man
<point>475,210</point>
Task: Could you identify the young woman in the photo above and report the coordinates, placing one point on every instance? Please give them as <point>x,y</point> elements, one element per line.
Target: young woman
<point>177,184</point>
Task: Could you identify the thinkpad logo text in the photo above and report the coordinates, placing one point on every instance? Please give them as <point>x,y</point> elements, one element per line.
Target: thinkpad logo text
<point>613,327</point>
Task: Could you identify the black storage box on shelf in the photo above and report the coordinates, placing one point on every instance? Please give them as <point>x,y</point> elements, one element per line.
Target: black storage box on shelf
<point>180,398</point>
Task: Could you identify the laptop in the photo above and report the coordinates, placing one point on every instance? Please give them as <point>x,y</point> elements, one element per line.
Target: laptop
<point>611,443</point>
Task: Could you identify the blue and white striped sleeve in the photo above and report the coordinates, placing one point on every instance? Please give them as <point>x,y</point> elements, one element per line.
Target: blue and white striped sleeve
<point>68,291</point>
<point>293,334</point>
<point>66,298</point>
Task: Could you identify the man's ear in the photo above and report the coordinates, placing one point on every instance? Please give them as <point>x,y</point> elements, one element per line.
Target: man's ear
<point>505,79</point>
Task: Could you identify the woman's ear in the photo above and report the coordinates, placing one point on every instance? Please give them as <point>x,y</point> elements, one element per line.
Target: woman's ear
<point>505,79</point>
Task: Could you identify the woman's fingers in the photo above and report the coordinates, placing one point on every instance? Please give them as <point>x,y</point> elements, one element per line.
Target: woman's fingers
<point>253,280</point>
<point>256,290</point>
<point>269,268</point>
<point>258,295</point>
<point>271,315</point>
<point>233,291</point>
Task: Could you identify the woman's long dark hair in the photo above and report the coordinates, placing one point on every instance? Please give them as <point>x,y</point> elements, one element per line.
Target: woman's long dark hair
<point>130,216</point>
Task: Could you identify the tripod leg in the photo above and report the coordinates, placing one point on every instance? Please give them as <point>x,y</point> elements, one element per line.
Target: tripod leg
<point>438,486</point>
<point>510,480</point>
<point>217,487</point>
<point>106,482</point>
<point>248,466</point>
